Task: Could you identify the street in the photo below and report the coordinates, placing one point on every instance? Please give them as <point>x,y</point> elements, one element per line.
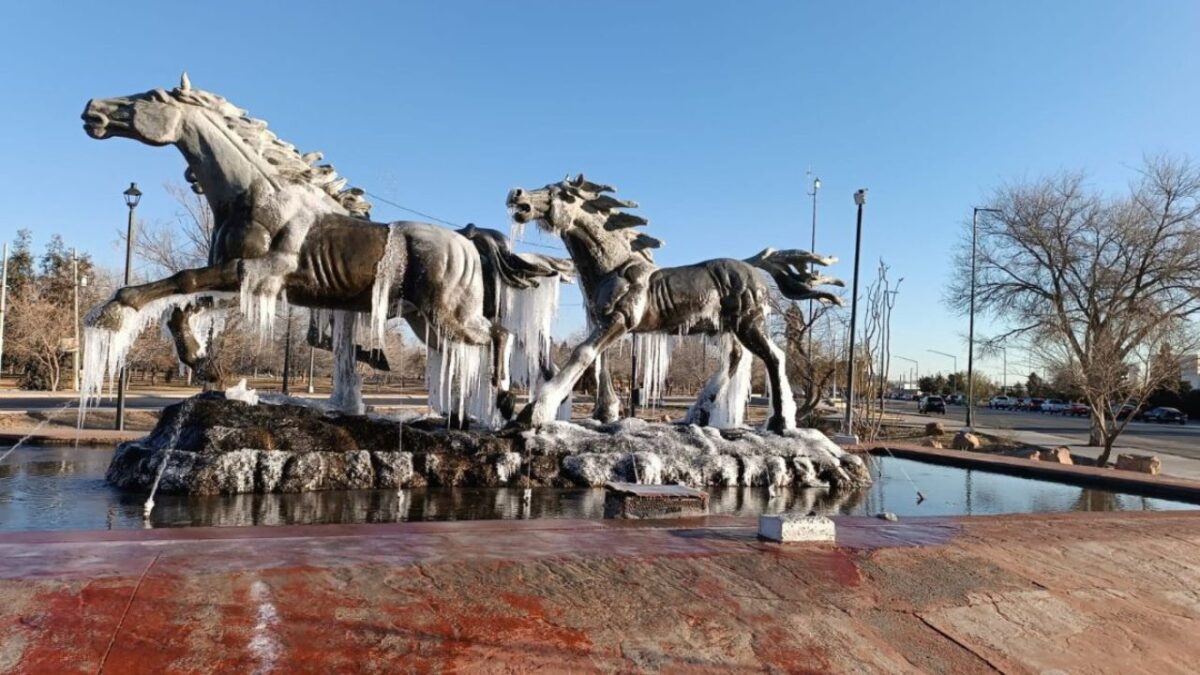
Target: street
<point>1182,440</point>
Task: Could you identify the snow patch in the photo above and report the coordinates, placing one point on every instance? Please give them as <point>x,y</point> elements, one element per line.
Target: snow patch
<point>240,392</point>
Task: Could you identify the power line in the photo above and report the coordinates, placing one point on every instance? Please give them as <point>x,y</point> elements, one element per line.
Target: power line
<point>443,221</point>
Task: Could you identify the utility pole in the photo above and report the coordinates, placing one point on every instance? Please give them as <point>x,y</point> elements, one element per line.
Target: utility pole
<point>971,326</point>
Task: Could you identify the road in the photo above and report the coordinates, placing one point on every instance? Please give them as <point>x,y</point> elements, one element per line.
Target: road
<point>1175,439</point>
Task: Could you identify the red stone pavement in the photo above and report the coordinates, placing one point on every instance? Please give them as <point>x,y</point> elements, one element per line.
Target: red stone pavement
<point>1074,592</point>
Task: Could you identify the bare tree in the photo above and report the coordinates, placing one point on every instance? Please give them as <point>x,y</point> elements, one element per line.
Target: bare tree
<point>1102,284</point>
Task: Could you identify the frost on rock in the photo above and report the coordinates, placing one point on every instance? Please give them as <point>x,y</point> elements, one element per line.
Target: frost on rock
<point>508,466</point>
<point>459,380</point>
<point>529,314</point>
<point>240,392</point>
<point>594,453</point>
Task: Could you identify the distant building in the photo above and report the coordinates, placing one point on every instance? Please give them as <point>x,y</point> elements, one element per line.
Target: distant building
<point>1189,370</point>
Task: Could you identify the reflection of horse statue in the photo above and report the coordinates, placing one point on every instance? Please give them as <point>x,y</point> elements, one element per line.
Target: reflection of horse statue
<point>286,227</point>
<point>627,293</point>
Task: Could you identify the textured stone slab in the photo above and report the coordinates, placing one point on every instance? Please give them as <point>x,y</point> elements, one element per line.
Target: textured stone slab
<point>635,501</point>
<point>786,527</point>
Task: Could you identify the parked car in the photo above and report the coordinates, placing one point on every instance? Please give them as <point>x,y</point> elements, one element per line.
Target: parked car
<point>1035,404</point>
<point>1078,409</point>
<point>1163,415</point>
<point>1053,406</point>
<point>932,404</point>
<point>956,399</point>
<point>1000,403</point>
<point>1127,410</point>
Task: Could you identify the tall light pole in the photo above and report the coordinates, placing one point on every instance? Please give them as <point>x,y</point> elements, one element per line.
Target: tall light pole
<point>975,211</point>
<point>949,356</point>
<point>3,306</point>
<point>79,282</point>
<point>132,196</point>
<point>848,435</point>
<point>812,268</point>
<point>916,366</point>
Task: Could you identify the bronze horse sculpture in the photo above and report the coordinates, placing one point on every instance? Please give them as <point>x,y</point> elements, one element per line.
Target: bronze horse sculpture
<point>626,293</point>
<point>285,227</point>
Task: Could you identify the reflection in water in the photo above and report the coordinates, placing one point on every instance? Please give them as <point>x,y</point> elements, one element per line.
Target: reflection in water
<point>64,488</point>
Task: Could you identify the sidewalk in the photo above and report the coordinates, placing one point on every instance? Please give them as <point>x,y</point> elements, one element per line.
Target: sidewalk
<point>1082,592</point>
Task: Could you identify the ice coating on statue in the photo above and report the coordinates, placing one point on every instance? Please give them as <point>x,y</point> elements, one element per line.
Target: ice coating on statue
<point>387,271</point>
<point>105,349</point>
<point>529,314</point>
<point>457,378</point>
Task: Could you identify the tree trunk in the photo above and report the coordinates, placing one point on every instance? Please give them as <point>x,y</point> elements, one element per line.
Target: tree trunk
<point>1096,432</point>
<point>1102,460</point>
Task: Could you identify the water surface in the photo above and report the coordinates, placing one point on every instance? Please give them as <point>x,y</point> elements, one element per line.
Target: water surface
<point>61,488</point>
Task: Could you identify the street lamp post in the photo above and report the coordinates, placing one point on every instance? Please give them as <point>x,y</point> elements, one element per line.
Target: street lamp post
<point>975,211</point>
<point>848,435</point>
<point>816,186</point>
<point>132,196</point>
<point>916,366</point>
<point>79,282</point>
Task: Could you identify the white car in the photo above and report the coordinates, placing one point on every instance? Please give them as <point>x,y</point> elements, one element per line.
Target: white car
<point>1000,403</point>
<point>1054,406</point>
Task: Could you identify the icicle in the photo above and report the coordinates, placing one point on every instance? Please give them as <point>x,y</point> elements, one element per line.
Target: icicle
<point>347,383</point>
<point>105,351</point>
<point>654,360</point>
<point>387,271</point>
<point>259,298</point>
<point>529,314</point>
<point>729,408</point>
<point>459,382</point>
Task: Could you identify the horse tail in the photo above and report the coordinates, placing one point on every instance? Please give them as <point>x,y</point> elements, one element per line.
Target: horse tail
<point>503,266</point>
<point>789,268</point>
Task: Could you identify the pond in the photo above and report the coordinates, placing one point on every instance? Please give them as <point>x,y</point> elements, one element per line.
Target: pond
<point>63,488</point>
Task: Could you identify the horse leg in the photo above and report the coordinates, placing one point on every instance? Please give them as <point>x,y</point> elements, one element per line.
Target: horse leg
<point>223,278</point>
<point>188,348</point>
<point>501,378</point>
<point>702,410</point>
<point>753,334</point>
<point>608,406</point>
<point>552,393</point>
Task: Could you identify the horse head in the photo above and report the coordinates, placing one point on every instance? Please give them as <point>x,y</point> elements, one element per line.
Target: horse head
<point>153,117</point>
<point>575,204</point>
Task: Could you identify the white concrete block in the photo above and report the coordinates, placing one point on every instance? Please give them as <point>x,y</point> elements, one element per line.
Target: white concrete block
<point>786,527</point>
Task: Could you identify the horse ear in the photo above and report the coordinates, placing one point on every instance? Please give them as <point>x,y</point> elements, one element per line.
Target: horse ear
<point>184,83</point>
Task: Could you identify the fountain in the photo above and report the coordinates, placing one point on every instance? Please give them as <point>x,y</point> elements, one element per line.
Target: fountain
<point>288,230</point>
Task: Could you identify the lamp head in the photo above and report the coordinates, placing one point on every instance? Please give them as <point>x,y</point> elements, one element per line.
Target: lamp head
<point>860,196</point>
<point>132,196</point>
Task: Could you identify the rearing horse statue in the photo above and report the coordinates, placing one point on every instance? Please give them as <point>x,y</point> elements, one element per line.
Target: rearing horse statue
<point>286,227</point>
<point>627,293</point>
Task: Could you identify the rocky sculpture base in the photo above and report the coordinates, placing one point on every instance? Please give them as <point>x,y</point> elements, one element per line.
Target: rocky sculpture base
<point>222,446</point>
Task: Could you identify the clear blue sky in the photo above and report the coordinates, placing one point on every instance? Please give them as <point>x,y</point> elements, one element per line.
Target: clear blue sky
<point>707,113</point>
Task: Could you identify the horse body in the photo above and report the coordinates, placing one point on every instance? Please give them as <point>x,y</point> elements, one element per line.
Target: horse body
<point>287,227</point>
<point>626,293</point>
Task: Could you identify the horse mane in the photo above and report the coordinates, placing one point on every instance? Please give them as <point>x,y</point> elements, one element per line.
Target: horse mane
<point>597,199</point>
<point>283,156</point>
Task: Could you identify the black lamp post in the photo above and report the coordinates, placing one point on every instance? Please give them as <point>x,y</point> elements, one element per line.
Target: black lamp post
<point>132,196</point>
<point>860,198</point>
<point>971,322</point>
<point>816,186</point>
